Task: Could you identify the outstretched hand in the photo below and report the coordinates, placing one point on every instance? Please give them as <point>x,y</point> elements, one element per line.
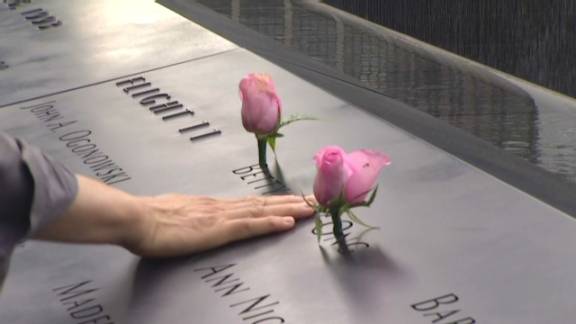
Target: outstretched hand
<point>179,224</point>
<point>169,225</point>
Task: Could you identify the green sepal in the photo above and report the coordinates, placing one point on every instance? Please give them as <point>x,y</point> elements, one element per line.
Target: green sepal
<point>272,142</point>
<point>322,209</point>
<point>345,208</point>
<point>308,203</point>
<point>353,217</point>
<point>370,200</point>
<point>294,118</point>
<point>372,196</point>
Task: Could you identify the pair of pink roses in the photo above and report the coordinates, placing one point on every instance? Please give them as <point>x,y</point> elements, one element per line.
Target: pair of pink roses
<point>343,181</point>
<point>346,177</point>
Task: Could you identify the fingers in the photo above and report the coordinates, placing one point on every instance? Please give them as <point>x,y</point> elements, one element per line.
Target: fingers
<point>257,201</point>
<point>285,199</point>
<point>250,227</point>
<point>297,210</point>
<point>250,202</point>
<point>260,206</point>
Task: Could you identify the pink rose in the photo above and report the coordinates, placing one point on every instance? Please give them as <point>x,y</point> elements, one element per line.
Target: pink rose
<point>261,112</point>
<point>351,175</point>
<point>330,177</point>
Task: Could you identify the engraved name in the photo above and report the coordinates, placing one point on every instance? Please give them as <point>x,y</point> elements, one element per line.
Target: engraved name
<point>260,180</point>
<point>41,19</point>
<point>441,310</point>
<point>351,242</point>
<point>163,105</point>
<point>251,308</point>
<point>13,4</point>
<point>80,142</point>
<point>81,304</point>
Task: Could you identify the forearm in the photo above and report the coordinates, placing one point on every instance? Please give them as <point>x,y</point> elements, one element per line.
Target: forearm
<point>99,214</point>
<point>169,225</point>
<point>67,208</point>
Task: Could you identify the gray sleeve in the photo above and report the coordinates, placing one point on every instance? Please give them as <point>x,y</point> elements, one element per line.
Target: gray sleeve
<point>33,190</point>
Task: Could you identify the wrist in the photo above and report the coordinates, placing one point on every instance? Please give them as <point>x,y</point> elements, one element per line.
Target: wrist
<point>137,225</point>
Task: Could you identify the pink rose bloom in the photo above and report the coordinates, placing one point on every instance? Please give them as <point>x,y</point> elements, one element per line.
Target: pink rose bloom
<point>261,110</point>
<point>351,175</point>
<point>330,177</point>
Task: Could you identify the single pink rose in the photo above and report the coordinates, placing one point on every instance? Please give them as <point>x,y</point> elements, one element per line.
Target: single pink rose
<point>363,168</point>
<point>330,176</point>
<point>261,108</point>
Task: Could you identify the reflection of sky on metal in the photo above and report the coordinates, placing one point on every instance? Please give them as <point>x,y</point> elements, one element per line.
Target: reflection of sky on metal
<point>133,15</point>
<point>128,11</point>
<point>477,101</point>
<point>112,13</point>
<point>98,40</point>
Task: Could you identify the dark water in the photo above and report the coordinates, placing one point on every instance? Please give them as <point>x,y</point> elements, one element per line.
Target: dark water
<point>532,39</point>
<point>485,106</point>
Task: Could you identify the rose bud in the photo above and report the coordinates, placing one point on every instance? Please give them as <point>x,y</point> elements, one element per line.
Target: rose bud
<point>261,112</point>
<point>330,176</point>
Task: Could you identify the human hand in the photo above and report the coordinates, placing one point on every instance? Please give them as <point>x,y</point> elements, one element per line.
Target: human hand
<point>178,224</point>
<point>169,225</point>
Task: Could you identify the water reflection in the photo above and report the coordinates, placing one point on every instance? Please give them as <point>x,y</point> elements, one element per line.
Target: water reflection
<point>483,105</point>
<point>531,39</point>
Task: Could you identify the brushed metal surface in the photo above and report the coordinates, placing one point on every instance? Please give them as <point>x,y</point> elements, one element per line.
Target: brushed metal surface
<point>445,226</point>
<point>98,40</point>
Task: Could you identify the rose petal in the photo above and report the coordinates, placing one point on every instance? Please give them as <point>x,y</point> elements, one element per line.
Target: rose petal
<point>365,166</point>
<point>320,154</point>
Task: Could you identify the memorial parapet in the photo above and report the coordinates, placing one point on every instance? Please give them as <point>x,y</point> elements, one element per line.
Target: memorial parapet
<point>58,45</point>
<point>455,244</point>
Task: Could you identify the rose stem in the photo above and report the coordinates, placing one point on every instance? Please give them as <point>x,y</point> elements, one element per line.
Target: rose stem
<point>262,153</point>
<point>337,222</point>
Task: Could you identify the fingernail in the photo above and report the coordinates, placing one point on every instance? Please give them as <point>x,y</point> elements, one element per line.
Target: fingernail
<point>289,221</point>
